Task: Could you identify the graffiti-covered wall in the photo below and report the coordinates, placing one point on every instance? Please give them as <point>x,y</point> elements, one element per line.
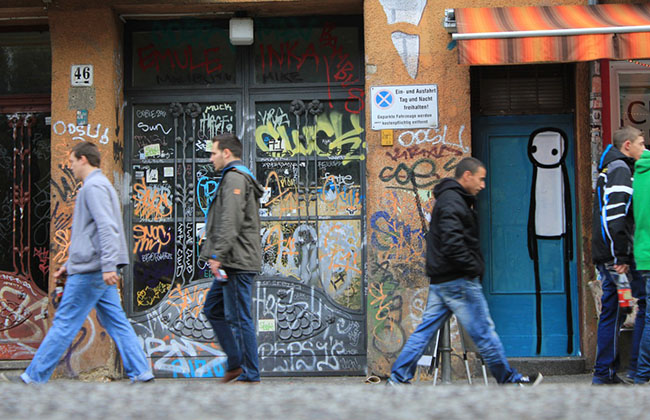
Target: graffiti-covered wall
<point>345,208</point>
<point>410,48</point>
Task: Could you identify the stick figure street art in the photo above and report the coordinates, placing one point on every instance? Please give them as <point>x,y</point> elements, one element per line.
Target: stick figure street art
<point>549,216</point>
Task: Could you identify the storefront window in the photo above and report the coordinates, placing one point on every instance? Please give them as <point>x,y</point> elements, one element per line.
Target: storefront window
<point>631,95</point>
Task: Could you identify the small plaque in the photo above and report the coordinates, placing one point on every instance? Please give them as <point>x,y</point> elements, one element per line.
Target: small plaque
<point>387,137</point>
<point>168,171</point>
<point>81,75</point>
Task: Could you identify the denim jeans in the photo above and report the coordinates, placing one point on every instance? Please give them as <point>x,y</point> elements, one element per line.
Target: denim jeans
<point>609,324</point>
<point>643,367</point>
<point>228,308</point>
<point>82,293</point>
<point>464,298</point>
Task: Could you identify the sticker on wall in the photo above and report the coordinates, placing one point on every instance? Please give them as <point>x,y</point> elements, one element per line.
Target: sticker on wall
<point>266,325</point>
<point>139,174</point>
<point>152,176</point>
<point>82,117</point>
<point>151,150</point>
<point>274,145</point>
<point>408,48</point>
<point>407,11</point>
<point>168,171</point>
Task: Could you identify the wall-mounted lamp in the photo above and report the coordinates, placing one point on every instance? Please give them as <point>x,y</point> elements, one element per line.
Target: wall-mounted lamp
<point>450,21</point>
<point>241,31</point>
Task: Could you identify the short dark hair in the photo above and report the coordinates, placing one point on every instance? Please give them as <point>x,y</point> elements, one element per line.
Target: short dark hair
<point>229,141</point>
<point>624,134</point>
<point>90,150</point>
<point>467,164</point>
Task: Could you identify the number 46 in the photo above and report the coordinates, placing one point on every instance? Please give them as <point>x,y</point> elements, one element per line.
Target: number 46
<point>82,73</point>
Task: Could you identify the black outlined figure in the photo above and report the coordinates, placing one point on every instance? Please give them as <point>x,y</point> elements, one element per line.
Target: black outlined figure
<point>549,216</point>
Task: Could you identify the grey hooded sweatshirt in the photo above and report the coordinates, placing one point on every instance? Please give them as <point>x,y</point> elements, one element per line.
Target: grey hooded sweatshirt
<point>97,242</point>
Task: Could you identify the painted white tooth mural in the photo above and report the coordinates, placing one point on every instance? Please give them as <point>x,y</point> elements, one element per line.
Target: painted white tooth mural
<point>408,48</point>
<point>408,11</point>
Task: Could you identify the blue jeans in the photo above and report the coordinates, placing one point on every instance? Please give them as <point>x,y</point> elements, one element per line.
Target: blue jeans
<point>464,298</point>
<point>643,367</point>
<point>82,293</point>
<point>228,308</point>
<point>609,324</point>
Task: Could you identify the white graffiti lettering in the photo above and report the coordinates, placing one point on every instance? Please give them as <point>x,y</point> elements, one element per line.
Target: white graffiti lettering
<point>81,132</point>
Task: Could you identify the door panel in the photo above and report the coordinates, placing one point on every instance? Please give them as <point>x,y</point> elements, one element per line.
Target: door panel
<point>310,298</point>
<point>24,232</point>
<point>505,221</point>
<point>295,98</point>
<point>172,178</point>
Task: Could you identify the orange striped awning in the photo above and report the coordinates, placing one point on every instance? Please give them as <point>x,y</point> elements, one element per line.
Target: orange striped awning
<point>614,31</point>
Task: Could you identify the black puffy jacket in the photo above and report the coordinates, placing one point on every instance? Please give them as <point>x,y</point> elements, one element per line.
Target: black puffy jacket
<point>613,222</point>
<point>453,247</point>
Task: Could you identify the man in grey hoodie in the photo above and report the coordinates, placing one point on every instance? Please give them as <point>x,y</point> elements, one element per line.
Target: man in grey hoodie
<point>96,254</point>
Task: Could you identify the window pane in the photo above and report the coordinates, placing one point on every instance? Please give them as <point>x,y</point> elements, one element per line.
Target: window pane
<point>635,101</point>
<point>178,55</point>
<point>25,63</point>
<point>308,50</point>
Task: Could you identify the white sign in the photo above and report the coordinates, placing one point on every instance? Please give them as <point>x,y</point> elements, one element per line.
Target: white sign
<point>81,75</point>
<point>404,107</point>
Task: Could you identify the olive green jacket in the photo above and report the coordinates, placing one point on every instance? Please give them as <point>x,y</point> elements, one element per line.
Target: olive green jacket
<point>232,231</point>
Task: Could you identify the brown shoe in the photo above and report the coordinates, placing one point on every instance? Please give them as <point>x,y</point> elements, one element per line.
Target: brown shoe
<point>247,382</point>
<point>231,375</point>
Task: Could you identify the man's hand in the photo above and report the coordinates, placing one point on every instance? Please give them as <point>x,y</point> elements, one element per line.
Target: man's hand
<point>58,273</point>
<point>111,278</point>
<point>214,266</point>
<point>621,268</point>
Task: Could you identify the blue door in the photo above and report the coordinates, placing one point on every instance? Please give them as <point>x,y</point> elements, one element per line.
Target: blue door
<point>526,217</point>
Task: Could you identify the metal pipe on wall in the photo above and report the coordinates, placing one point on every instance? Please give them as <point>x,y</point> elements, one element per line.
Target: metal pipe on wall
<point>552,32</point>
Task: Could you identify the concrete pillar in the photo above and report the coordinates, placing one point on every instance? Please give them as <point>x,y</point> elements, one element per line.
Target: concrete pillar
<point>88,36</point>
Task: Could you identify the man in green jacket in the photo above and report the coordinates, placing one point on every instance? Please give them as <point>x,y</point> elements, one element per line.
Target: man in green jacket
<point>641,204</point>
<point>232,249</point>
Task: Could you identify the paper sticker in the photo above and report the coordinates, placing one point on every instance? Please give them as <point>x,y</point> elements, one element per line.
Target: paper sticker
<point>200,231</point>
<point>266,325</point>
<point>275,145</point>
<point>139,174</point>
<point>168,171</point>
<point>208,146</point>
<point>152,176</point>
<point>152,150</point>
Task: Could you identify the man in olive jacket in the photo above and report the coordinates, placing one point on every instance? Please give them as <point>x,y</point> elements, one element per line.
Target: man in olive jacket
<point>233,244</point>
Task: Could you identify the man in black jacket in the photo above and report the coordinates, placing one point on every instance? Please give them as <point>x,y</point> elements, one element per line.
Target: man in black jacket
<point>612,251</point>
<point>454,266</point>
